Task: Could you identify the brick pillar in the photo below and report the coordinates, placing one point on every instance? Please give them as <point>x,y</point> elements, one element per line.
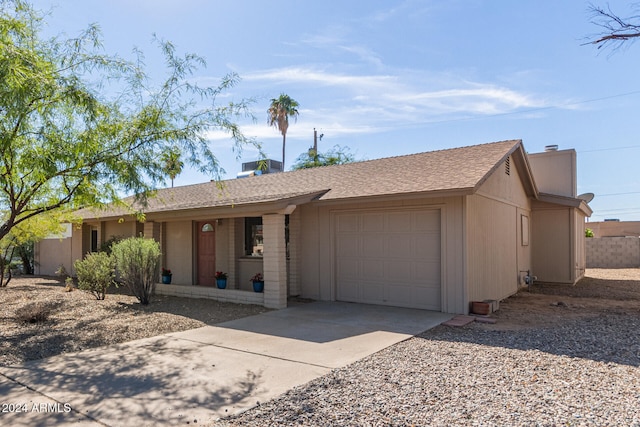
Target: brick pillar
<point>152,230</point>
<point>232,281</point>
<point>274,261</point>
<point>294,253</point>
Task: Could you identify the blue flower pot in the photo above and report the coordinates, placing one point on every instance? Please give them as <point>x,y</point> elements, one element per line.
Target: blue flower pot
<point>166,279</point>
<point>258,286</point>
<point>221,283</point>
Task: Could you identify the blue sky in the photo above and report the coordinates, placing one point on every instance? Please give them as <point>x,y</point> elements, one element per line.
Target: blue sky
<point>386,78</point>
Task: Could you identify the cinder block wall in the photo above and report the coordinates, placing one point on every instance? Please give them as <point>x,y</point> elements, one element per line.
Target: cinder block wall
<point>613,252</point>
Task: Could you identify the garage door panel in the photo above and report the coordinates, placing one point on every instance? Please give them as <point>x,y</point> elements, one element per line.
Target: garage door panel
<point>373,246</point>
<point>399,222</point>
<point>427,221</point>
<point>428,247</point>
<point>398,271</point>
<point>400,295</point>
<point>347,245</point>
<point>400,246</point>
<point>349,291</point>
<point>373,293</point>
<point>389,258</point>
<point>372,222</point>
<point>372,269</point>
<point>347,223</point>
<point>348,268</point>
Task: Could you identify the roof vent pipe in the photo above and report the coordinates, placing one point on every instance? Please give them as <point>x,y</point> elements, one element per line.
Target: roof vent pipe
<point>548,148</point>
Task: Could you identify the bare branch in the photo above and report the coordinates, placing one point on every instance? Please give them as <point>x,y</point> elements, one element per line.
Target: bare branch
<point>617,30</point>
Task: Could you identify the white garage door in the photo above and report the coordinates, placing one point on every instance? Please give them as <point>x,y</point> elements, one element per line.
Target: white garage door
<point>389,258</point>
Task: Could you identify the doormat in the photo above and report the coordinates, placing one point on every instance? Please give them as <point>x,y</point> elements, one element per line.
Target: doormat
<point>459,320</point>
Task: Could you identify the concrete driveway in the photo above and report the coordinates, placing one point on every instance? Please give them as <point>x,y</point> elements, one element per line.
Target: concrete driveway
<point>200,375</point>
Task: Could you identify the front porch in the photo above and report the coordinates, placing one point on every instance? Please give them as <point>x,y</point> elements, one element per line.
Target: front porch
<point>239,240</point>
<point>225,295</point>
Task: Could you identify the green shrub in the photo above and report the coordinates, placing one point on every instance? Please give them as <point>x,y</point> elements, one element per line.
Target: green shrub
<point>95,273</point>
<point>137,263</point>
<point>108,244</point>
<point>588,232</point>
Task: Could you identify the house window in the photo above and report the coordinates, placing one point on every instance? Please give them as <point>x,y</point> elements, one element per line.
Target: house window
<point>253,240</point>
<point>207,228</point>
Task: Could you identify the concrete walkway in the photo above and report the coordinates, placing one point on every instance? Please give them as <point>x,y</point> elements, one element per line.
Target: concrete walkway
<point>200,375</point>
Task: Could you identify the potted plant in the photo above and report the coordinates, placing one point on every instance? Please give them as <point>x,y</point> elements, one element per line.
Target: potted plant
<point>221,279</point>
<point>258,282</point>
<point>166,276</point>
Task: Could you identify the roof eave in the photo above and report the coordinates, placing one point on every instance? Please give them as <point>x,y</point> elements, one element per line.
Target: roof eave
<point>572,202</point>
<point>228,210</point>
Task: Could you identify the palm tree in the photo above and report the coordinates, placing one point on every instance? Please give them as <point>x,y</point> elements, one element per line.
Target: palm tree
<point>278,116</point>
<point>172,164</point>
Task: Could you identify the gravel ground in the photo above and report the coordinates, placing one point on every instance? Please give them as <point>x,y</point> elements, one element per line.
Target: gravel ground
<point>78,321</point>
<point>558,355</point>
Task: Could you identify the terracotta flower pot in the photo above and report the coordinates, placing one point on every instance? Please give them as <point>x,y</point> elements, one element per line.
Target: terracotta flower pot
<point>481,308</point>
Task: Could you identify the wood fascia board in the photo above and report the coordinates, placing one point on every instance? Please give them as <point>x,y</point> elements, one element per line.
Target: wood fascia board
<point>434,194</point>
<point>524,168</point>
<point>241,210</point>
<point>522,165</point>
<point>552,200</point>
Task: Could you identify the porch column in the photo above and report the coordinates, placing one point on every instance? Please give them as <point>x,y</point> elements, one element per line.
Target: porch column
<point>274,261</point>
<point>152,230</point>
<point>294,253</point>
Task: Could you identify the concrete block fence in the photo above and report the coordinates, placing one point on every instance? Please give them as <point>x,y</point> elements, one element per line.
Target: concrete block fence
<point>613,252</point>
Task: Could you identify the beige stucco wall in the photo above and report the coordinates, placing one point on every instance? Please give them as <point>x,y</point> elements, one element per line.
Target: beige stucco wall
<point>559,247</point>
<point>119,229</point>
<point>51,253</point>
<point>615,228</point>
<point>492,252</point>
<point>178,251</point>
<point>551,238</point>
<point>555,172</point>
<point>498,237</point>
<point>314,265</point>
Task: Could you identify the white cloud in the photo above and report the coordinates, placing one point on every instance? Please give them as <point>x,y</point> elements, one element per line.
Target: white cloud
<point>348,103</point>
<point>315,76</point>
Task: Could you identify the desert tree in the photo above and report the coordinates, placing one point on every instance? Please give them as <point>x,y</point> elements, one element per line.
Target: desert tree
<point>278,114</point>
<point>79,127</point>
<point>616,30</point>
<point>20,240</point>
<point>173,164</point>
<point>313,159</point>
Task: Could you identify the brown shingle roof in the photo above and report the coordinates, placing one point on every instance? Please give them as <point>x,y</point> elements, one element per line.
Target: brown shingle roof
<point>448,170</point>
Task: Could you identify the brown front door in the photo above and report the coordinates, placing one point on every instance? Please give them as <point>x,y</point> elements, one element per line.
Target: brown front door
<point>206,254</point>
